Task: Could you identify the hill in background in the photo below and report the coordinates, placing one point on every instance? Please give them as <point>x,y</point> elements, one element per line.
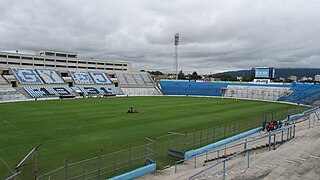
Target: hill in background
<point>281,72</point>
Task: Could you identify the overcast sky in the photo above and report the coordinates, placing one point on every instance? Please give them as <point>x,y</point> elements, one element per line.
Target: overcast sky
<point>215,35</point>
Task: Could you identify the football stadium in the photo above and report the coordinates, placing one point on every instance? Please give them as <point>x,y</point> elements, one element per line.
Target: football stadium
<point>69,118</point>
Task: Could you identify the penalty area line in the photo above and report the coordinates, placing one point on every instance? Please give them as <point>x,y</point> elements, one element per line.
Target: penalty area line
<point>6,165</point>
<point>10,124</point>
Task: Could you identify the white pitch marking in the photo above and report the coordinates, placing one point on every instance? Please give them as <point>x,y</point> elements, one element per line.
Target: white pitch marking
<point>6,165</point>
<point>10,124</point>
<point>301,159</point>
<point>312,156</point>
<point>288,161</point>
<point>268,165</point>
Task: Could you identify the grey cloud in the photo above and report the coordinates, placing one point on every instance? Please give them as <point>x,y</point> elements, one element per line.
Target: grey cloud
<point>215,35</point>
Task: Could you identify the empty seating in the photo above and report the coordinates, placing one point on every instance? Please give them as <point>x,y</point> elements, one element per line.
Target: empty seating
<point>3,81</point>
<point>100,91</point>
<point>130,79</point>
<point>9,77</point>
<point>191,88</point>
<point>45,92</point>
<point>135,79</point>
<point>146,78</point>
<point>100,78</point>
<point>26,76</point>
<point>139,79</point>
<point>12,96</point>
<point>7,89</point>
<point>256,92</point>
<point>140,91</point>
<point>121,79</point>
<point>304,93</point>
<point>81,77</point>
<point>50,76</point>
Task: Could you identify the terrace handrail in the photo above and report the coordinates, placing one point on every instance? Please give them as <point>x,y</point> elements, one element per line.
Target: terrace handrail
<point>241,143</point>
<point>216,164</point>
<point>239,152</point>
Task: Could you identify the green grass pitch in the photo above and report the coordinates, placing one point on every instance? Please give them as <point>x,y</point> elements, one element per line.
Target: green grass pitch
<point>78,129</point>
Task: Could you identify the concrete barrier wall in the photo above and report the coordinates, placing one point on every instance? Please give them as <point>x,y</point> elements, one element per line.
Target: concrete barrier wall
<point>192,153</point>
<point>136,173</point>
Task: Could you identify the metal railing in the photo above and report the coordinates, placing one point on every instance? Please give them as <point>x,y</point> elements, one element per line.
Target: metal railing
<point>105,165</point>
<point>287,133</point>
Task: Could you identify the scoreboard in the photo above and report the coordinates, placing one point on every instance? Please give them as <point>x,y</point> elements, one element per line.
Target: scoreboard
<point>265,73</point>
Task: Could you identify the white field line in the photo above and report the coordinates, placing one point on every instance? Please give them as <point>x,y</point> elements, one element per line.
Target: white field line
<point>286,160</point>
<point>302,159</point>
<point>268,165</point>
<point>10,124</point>
<point>6,165</point>
<point>312,156</point>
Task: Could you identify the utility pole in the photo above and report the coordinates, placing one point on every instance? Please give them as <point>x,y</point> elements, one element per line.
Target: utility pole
<point>176,43</point>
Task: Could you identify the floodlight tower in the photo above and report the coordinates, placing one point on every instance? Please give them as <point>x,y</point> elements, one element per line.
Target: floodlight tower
<point>176,43</point>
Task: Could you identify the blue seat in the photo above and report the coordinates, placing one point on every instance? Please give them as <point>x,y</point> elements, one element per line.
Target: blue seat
<point>81,77</point>
<point>100,78</point>
<point>46,92</point>
<point>50,76</point>
<point>26,76</point>
<point>192,88</point>
<point>303,93</point>
<point>101,90</point>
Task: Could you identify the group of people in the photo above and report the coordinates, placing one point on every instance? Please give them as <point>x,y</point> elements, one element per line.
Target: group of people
<point>273,125</point>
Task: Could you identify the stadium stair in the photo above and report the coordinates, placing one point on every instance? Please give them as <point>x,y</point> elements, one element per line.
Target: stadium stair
<point>176,154</point>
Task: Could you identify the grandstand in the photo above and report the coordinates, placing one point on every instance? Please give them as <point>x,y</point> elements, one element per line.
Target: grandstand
<point>27,76</point>
<point>44,83</point>
<point>47,92</point>
<point>140,91</point>
<point>50,76</point>
<point>3,81</point>
<point>134,79</point>
<point>81,77</point>
<point>100,90</point>
<point>256,92</point>
<point>100,78</point>
<point>137,84</point>
<point>10,94</point>
<point>48,83</point>
<point>302,93</point>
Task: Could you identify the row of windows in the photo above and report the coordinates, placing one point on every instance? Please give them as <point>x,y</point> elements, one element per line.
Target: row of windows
<point>59,54</point>
<point>58,60</point>
<point>79,62</point>
<point>48,65</point>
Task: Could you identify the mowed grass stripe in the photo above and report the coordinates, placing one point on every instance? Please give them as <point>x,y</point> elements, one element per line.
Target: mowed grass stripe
<point>77,129</point>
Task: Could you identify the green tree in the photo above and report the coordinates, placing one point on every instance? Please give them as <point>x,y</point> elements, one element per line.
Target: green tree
<point>226,77</point>
<point>155,73</point>
<point>181,75</point>
<point>195,76</point>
